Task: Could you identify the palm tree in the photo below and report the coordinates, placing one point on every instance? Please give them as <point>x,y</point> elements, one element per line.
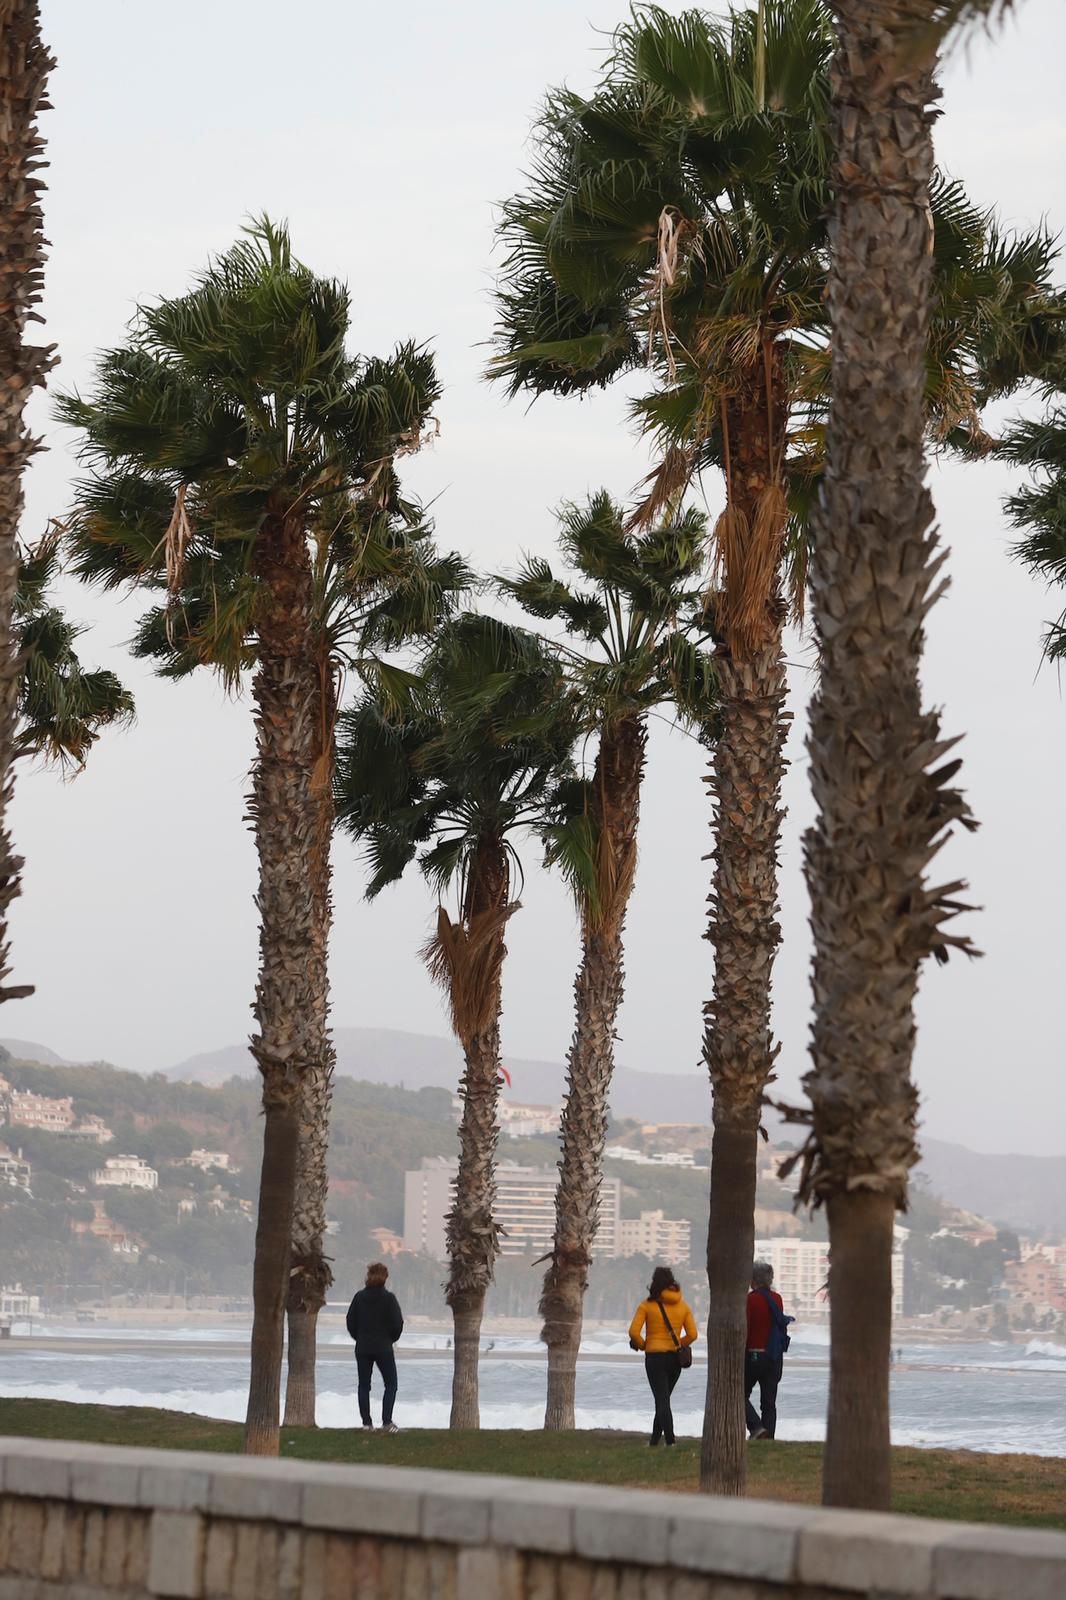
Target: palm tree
<point>377,582</point>
<point>451,766</point>
<point>62,708</point>
<point>675,222</point>
<point>24,67</point>
<point>627,651</point>
<point>219,435</point>
<point>886,798</point>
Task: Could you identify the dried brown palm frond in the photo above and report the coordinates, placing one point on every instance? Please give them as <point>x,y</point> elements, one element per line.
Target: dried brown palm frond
<point>665,484</point>
<point>175,544</point>
<point>465,959</point>
<point>747,559</point>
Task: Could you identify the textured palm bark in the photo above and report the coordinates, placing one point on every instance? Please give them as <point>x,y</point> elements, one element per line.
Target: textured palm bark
<point>24,68</point>
<point>471,1232</point>
<point>730,1249</point>
<point>289,995</point>
<point>598,991</point>
<point>883,794</point>
<point>310,1274</point>
<point>745,786</point>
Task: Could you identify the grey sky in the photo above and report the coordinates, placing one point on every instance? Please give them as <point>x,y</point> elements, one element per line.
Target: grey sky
<point>385,134</point>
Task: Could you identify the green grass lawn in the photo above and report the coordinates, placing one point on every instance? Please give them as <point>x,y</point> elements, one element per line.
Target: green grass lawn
<point>1029,1490</point>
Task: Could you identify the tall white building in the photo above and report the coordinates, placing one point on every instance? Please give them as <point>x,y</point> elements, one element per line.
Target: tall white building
<point>664,1239</point>
<point>525,1209</point>
<point>126,1172</point>
<point>801,1273</point>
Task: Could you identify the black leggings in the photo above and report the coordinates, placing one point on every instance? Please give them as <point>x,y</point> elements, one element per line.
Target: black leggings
<point>663,1368</point>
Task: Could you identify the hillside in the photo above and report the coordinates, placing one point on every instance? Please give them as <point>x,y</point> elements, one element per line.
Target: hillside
<point>418,1060</point>
<point>1028,1192</point>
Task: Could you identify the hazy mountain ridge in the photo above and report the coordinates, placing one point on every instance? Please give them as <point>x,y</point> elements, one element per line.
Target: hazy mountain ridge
<point>1024,1191</point>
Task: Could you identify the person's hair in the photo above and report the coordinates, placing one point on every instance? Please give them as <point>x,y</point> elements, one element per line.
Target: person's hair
<point>377,1274</point>
<point>662,1278</point>
<point>762,1275</point>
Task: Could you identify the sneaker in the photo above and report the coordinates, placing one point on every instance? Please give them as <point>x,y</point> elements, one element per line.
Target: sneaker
<point>760,1433</point>
<point>653,1444</point>
<point>389,1427</point>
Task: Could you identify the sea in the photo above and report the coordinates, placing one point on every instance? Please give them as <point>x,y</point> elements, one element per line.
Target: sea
<point>979,1395</point>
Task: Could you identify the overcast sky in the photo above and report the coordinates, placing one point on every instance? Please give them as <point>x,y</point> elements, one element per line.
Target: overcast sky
<point>385,134</point>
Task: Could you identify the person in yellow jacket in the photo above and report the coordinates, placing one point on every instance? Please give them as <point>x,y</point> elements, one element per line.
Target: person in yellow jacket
<point>663,1327</point>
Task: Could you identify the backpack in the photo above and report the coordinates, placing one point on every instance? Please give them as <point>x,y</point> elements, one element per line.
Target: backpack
<point>778,1342</point>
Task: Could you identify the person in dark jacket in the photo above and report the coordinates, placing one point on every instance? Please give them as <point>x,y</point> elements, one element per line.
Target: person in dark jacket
<point>375,1322</point>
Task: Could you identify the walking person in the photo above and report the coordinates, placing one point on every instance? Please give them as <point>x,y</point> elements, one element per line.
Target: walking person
<point>375,1322</point>
<point>764,1356</point>
<point>665,1329</point>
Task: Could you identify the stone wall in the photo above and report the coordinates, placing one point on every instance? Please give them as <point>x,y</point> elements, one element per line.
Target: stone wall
<point>94,1523</point>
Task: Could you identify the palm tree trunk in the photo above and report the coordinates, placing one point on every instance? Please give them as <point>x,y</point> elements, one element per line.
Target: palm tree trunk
<point>880,811</point>
<point>24,67</point>
<point>745,783</point>
<point>472,1236</point>
<point>289,996</point>
<point>310,1275</point>
<point>730,1249</point>
<point>598,991</point>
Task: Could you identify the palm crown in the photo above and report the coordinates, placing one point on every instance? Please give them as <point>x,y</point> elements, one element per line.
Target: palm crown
<point>434,763</point>
<point>1038,510</point>
<point>631,614</point>
<point>229,404</point>
<point>675,220</point>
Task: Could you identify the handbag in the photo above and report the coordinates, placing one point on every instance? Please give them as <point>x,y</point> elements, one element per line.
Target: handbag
<point>684,1351</point>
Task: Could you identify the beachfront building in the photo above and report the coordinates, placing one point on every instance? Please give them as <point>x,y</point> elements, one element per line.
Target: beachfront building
<point>1037,1281</point>
<point>15,1302</point>
<point>801,1273</point>
<point>25,1110</point>
<point>126,1172</point>
<point>525,1209</point>
<point>660,1238</point>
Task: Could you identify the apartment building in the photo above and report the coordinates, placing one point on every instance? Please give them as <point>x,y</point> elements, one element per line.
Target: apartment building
<point>662,1239</point>
<point>25,1110</point>
<point>801,1273</point>
<point>525,1209</point>
<point>14,1172</point>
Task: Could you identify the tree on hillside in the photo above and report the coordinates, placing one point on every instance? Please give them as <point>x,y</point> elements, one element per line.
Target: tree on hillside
<point>628,605</point>
<point>219,435</point>
<point>886,798</point>
<point>451,767</point>
<point>24,67</point>
<point>62,707</point>
<point>675,222</point>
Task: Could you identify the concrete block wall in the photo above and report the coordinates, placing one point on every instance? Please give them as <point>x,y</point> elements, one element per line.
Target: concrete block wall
<point>94,1523</point>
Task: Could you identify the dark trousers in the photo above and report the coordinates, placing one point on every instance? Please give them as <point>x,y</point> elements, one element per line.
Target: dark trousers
<point>760,1369</point>
<point>663,1368</point>
<point>386,1365</point>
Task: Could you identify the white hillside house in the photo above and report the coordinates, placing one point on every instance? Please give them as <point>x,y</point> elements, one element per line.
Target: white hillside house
<point>126,1172</point>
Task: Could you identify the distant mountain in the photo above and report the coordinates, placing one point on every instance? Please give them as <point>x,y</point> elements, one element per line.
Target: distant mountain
<point>419,1060</point>
<point>23,1050</point>
<point>1028,1192</point>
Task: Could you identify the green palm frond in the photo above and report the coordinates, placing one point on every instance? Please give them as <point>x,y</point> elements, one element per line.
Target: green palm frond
<point>62,706</point>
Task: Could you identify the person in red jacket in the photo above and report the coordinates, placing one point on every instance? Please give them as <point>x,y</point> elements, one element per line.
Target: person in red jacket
<point>766,1345</point>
